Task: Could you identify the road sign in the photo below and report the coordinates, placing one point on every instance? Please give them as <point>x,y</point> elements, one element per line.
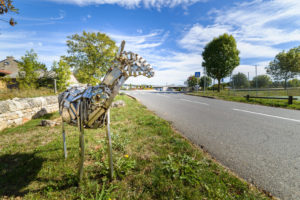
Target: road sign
<point>197,74</point>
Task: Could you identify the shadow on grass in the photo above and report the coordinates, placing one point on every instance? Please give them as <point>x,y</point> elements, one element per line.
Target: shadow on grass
<point>17,171</point>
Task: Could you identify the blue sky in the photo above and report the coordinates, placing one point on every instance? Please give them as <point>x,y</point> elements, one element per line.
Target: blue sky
<point>169,34</point>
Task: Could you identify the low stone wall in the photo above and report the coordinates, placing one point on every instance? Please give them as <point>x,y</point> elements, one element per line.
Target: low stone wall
<point>18,111</point>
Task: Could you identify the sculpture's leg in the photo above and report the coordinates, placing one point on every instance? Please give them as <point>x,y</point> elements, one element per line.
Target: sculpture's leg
<point>81,142</point>
<point>111,169</point>
<point>64,138</point>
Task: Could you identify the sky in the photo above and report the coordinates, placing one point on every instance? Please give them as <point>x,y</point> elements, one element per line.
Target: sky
<point>169,34</point>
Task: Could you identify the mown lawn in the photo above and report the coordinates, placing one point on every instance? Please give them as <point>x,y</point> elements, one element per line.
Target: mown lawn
<point>239,97</point>
<point>151,161</point>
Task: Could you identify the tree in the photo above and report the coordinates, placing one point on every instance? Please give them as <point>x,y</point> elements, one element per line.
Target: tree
<point>220,57</point>
<point>63,73</point>
<point>294,83</point>
<point>262,81</point>
<point>205,79</point>
<point>6,6</point>
<point>240,80</point>
<point>293,57</point>
<point>28,67</point>
<point>192,81</point>
<point>91,54</point>
<point>283,66</point>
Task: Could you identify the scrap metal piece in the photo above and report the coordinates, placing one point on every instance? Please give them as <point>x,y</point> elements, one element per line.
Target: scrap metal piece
<point>88,107</point>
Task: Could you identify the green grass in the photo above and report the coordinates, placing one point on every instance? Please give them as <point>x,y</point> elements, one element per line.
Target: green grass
<point>24,93</point>
<point>151,161</point>
<point>239,97</point>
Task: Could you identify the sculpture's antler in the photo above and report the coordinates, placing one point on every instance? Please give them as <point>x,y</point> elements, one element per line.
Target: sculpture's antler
<point>132,64</point>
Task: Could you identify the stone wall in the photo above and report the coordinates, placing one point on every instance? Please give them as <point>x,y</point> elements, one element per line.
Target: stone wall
<point>18,111</point>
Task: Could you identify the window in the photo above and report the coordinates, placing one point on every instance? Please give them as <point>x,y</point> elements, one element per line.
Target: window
<point>6,63</point>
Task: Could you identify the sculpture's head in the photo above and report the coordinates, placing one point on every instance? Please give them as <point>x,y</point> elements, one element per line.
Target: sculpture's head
<point>133,64</point>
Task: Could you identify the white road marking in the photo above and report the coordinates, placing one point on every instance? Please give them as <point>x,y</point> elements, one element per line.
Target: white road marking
<point>274,116</point>
<point>163,95</point>
<point>194,102</point>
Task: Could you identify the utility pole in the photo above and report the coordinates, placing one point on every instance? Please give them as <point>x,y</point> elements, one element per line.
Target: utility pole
<point>204,70</point>
<point>248,84</point>
<point>256,78</point>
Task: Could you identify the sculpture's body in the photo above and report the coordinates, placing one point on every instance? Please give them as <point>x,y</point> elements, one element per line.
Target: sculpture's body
<point>89,107</point>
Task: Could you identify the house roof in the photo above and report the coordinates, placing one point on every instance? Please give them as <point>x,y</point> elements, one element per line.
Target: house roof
<point>5,72</point>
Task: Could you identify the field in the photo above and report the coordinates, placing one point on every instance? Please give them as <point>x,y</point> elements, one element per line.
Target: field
<point>239,96</point>
<point>151,161</point>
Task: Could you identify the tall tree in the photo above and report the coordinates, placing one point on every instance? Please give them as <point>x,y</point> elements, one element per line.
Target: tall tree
<point>283,67</point>
<point>6,6</point>
<point>192,81</point>
<point>91,54</point>
<point>63,73</point>
<point>205,81</point>
<point>293,57</point>
<point>263,81</point>
<point>294,83</point>
<point>220,57</point>
<point>28,67</point>
<point>240,80</point>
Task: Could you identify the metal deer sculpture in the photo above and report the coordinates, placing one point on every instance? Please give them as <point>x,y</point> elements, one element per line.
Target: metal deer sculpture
<point>88,107</point>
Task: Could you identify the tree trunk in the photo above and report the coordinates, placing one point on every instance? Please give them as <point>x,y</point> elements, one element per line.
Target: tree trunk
<point>219,84</point>
<point>285,84</point>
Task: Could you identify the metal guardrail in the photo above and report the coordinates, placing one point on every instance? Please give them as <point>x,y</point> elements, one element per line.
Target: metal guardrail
<point>289,98</point>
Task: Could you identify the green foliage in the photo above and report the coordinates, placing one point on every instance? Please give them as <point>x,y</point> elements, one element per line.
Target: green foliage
<point>25,93</point>
<point>240,80</point>
<point>293,58</point>
<point>205,80</point>
<point>216,86</point>
<point>182,167</point>
<point>28,66</point>
<point>263,81</point>
<point>281,68</point>
<point>220,57</point>
<point>6,6</point>
<point>91,54</point>
<point>192,81</point>
<point>239,96</point>
<point>294,83</point>
<point>63,73</point>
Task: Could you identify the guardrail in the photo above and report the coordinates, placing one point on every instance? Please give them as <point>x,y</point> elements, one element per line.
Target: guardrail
<point>289,98</point>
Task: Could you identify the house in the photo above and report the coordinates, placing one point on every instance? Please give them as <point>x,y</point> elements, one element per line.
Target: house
<point>9,66</point>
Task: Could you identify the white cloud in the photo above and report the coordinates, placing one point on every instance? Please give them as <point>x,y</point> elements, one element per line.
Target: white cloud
<point>49,47</point>
<point>141,43</point>
<point>61,16</point>
<point>248,50</point>
<point>84,19</point>
<point>131,4</point>
<point>257,26</point>
<point>198,35</point>
<point>170,66</point>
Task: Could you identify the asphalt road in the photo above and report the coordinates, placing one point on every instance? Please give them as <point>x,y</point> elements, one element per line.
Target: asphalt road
<point>261,144</point>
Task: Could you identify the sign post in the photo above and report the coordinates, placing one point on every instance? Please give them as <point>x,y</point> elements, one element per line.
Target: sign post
<point>197,75</point>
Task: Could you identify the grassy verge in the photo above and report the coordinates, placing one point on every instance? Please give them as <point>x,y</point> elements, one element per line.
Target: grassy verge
<point>24,93</point>
<point>151,161</point>
<point>232,97</point>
